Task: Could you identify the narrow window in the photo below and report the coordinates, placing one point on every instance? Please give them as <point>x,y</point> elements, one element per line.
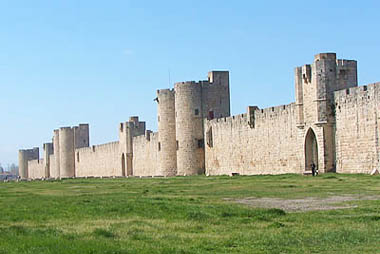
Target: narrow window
<point>158,118</point>
<point>177,145</point>
<point>159,146</point>
<point>196,112</point>
<point>210,142</point>
<point>201,143</point>
<point>347,91</point>
<point>77,156</point>
<point>304,78</point>
<point>365,88</point>
<point>211,115</point>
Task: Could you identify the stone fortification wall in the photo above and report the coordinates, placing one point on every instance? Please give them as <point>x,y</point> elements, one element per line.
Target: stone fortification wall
<point>99,160</point>
<point>145,155</point>
<point>265,142</point>
<point>53,173</point>
<point>357,129</point>
<point>36,169</point>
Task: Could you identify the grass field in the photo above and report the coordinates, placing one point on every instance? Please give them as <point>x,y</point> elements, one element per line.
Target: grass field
<point>187,215</point>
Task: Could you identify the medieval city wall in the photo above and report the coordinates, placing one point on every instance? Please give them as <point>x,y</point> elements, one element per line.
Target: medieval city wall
<point>99,160</point>
<point>265,141</point>
<point>36,169</point>
<point>145,155</point>
<point>53,167</point>
<point>357,129</point>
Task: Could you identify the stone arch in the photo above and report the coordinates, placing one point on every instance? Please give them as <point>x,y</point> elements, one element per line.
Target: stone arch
<point>311,149</point>
<point>123,164</point>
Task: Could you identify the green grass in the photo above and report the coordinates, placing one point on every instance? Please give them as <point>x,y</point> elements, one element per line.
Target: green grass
<point>186,215</point>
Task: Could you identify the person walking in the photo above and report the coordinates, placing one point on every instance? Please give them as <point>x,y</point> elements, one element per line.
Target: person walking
<point>313,170</point>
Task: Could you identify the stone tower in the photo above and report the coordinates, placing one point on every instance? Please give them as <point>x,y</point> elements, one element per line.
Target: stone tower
<point>81,136</point>
<point>315,110</point>
<point>189,128</point>
<point>68,139</point>
<point>195,101</point>
<point>167,144</point>
<point>56,173</point>
<point>66,152</point>
<point>127,131</point>
<point>23,157</point>
<point>48,150</point>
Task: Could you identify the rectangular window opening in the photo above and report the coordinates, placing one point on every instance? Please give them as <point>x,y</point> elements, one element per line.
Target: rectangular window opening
<point>210,115</point>
<point>201,143</point>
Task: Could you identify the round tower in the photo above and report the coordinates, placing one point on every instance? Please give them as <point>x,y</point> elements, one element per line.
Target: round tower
<point>66,149</point>
<point>189,128</point>
<point>56,173</point>
<point>167,145</point>
<point>23,157</point>
<point>23,164</point>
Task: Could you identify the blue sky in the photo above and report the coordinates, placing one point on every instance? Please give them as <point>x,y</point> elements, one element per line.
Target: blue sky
<point>99,62</point>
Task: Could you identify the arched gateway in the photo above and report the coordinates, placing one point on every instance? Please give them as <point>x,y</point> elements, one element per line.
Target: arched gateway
<point>311,150</point>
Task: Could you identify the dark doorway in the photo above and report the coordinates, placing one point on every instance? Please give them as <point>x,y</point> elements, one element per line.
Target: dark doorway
<point>311,150</point>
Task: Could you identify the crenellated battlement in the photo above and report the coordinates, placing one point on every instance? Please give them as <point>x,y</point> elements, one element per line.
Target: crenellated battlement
<point>325,56</point>
<point>363,93</point>
<point>333,124</point>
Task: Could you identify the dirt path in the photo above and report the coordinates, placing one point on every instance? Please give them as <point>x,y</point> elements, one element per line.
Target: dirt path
<point>305,204</point>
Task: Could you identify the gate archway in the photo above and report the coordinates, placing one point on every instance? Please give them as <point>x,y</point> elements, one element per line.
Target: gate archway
<point>311,149</point>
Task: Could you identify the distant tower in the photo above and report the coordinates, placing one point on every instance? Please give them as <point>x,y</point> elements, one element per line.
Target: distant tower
<point>66,150</point>
<point>167,133</point>
<point>82,136</point>
<point>23,157</point>
<point>56,173</point>
<point>216,95</point>
<point>127,131</point>
<point>48,150</point>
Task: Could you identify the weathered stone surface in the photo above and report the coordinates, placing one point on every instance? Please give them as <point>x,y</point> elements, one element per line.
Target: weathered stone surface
<point>333,124</point>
